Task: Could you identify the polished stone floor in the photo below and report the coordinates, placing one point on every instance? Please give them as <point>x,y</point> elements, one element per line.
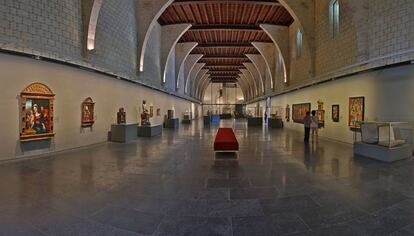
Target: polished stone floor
<point>170,185</point>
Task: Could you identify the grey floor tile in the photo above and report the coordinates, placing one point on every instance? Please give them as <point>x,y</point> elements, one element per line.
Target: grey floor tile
<point>277,224</point>
<point>288,204</point>
<point>130,220</point>
<point>233,208</point>
<point>194,226</point>
<point>227,183</point>
<point>253,193</point>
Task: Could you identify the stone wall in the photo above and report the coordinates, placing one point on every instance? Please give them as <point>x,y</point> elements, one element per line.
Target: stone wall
<point>391,30</point>
<point>50,28</point>
<point>334,53</point>
<point>299,67</point>
<point>116,38</point>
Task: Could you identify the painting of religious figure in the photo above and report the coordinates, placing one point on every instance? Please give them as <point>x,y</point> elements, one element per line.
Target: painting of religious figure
<point>37,113</point>
<point>356,112</point>
<point>335,113</point>
<point>299,112</point>
<point>88,107</point>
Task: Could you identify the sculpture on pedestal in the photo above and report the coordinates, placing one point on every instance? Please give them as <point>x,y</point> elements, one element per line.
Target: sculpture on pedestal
<point>145,115</point>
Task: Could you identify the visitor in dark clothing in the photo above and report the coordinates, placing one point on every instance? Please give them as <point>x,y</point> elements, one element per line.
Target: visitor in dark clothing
<point>307,123</point>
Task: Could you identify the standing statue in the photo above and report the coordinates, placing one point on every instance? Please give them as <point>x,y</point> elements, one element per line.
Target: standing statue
<point>121,116</point>
<point>145,115</point>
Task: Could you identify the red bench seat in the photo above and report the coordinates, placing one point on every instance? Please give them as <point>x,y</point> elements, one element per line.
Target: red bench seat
<point>225,140</point>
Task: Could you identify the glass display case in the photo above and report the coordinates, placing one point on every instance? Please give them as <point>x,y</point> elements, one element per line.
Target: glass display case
<point>251,112</point>
<point>187,115</point>
<point>276,112</point>
<point>387,134</point>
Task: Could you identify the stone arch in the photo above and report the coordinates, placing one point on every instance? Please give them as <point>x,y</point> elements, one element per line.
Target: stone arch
<point>303,12</point>
<point>90,15</point>
<point>148,12</point>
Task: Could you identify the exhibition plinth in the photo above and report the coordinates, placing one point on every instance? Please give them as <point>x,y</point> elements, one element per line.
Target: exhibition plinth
<point>186,122</point>
<point>382,153</point>
<point>123,133</point>
<point>275,123</point>
<point>255,121</point>
<point>206,120</point>
<point>215,119</point>
<point>171,123</point>
<point>225,116</point>
<point>149,131</point>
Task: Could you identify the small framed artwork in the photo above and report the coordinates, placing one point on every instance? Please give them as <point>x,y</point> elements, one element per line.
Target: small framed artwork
<point>88,107</point>
<point>36,113</point>
<point>151,111</point>
<point>335,113</point>
<point>356,112</point>
<point>158,112</point>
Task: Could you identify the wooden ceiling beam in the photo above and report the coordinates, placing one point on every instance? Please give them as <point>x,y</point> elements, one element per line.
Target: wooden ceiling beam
<point>226,27</point>
<point>225,56</point>
<point>224,71</point>
<point>261,2</point>
<point>222,81</point>
<point>224,65</point>
<point>225,45</point>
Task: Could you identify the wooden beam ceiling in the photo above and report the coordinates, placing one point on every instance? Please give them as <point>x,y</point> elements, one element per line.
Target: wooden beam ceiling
<point>225,56</point>
<point>224,30</point>
<point>225,45</point>
<point>261,2</point>
<point>225,27</point>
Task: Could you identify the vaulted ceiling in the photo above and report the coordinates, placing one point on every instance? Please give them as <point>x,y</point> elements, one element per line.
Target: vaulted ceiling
<point>224,30</point>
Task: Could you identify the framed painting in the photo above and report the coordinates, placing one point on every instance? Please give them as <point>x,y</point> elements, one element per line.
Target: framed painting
<point>88,107</point>
<point>158,112</point>
<point>356,112</point>
<point>299,112</point>
<point>151,111</point>
<point>335,113</point>
<point>36,113</point>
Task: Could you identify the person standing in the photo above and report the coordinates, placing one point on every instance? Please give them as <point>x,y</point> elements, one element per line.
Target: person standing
<point>314,126</point>
<point>307,123</point>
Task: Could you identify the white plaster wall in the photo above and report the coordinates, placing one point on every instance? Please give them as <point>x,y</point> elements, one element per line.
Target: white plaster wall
<point>71,87</point>
<point>388,97</point>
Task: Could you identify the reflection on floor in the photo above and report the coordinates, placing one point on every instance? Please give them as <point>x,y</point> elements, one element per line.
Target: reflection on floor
<point>169,185</point>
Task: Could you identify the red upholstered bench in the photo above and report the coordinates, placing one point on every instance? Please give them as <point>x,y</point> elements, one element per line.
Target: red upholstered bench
<point>226,141</point>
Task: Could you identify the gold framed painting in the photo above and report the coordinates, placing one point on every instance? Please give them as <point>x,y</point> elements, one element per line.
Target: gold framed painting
<point>335,113</point>
<point>36,113</point>
<point>356,112</point>
<point>88,109</point>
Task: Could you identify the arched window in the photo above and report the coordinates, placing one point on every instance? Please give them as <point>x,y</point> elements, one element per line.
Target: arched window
<point>299,39</point>
<point>334,18</point>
